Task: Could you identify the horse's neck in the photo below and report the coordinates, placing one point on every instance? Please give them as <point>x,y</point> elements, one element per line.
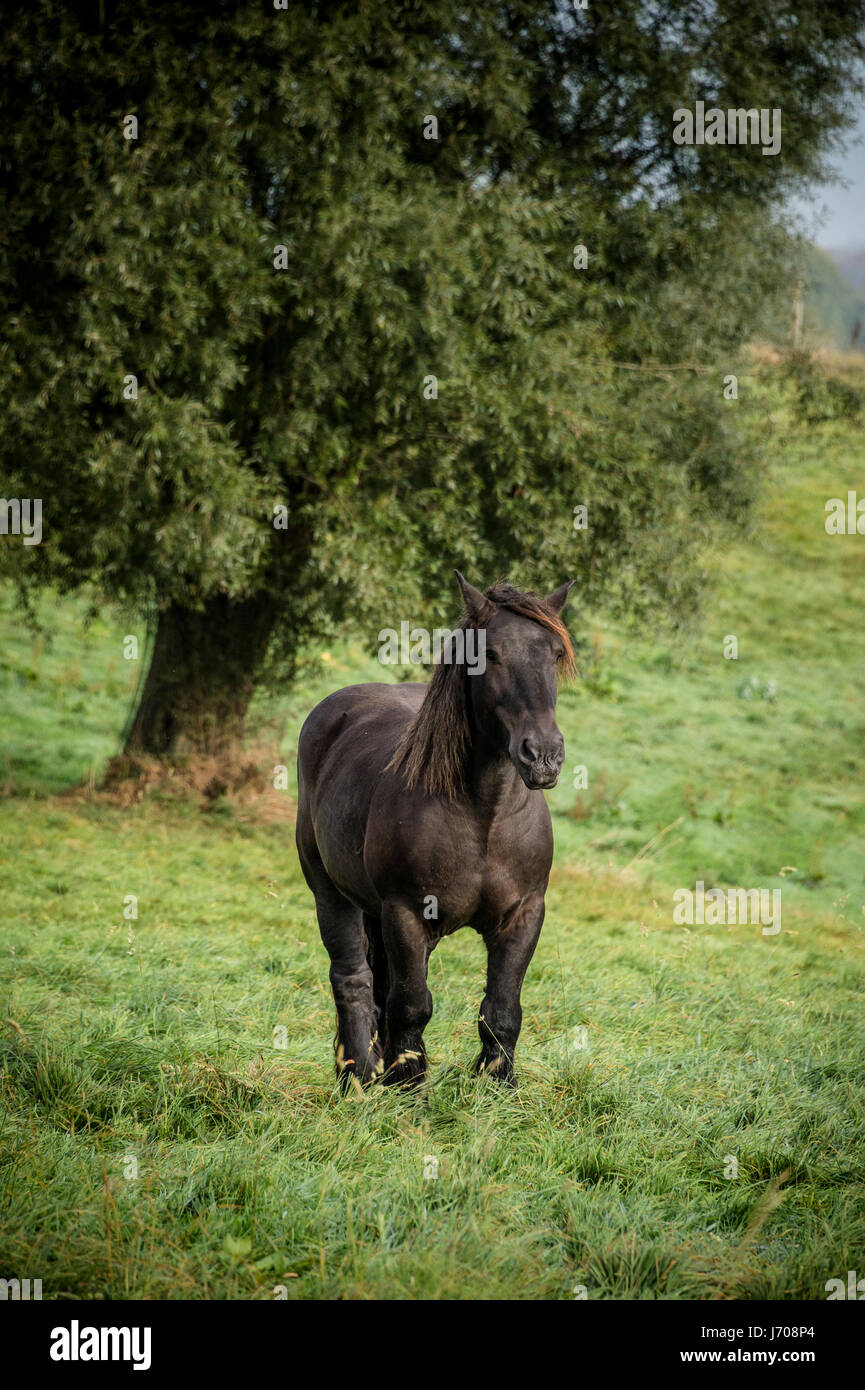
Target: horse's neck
<point>493,784</point>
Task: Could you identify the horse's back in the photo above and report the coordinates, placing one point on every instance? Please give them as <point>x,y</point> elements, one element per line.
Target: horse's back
<point>375,714</point>
<point>344,748</point>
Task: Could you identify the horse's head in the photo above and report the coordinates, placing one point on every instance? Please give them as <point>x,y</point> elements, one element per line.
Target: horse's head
<point>513,699</point>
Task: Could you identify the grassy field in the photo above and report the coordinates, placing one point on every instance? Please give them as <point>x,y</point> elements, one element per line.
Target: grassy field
<point>170,1127</point>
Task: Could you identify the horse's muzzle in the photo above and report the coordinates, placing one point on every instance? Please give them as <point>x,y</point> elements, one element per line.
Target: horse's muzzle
<point>539,764</point>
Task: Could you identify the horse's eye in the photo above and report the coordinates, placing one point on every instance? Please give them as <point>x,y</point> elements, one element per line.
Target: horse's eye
<point>560,656</point>
<point>492,656</point>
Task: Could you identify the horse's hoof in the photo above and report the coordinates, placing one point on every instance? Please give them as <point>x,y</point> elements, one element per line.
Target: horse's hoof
<point>408,1071</point>
<point>499,1068</point>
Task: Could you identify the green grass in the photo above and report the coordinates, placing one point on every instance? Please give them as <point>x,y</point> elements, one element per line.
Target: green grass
<point>153,1039</point>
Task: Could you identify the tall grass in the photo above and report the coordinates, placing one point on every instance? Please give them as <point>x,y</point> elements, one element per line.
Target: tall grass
<point>690,1118</point>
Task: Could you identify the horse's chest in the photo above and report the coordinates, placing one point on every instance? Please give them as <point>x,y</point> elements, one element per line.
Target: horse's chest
<point>482,876</point>
<point>452,866</point>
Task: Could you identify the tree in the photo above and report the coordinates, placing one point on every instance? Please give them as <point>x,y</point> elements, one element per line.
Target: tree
<point>296,322</point>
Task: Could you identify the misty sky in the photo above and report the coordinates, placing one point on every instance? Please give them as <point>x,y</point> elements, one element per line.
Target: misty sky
<point>844,223</point>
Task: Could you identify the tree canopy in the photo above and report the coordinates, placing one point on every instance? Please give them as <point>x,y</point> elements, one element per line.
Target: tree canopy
<point>336,250</point>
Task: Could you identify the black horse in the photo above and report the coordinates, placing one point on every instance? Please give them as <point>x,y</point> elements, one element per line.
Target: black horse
<point>420,810</point>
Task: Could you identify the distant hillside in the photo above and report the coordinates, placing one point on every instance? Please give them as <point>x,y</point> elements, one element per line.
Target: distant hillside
<point>851,262</point>
<point>834,300</point>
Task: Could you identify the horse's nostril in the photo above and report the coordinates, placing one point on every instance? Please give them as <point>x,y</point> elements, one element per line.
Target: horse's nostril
<point>530,751</point>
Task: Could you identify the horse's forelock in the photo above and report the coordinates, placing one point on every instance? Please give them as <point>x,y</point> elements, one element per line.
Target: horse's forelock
<point>531,606</point>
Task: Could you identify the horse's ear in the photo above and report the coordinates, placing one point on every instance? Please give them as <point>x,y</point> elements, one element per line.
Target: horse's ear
<point>559,597</point>
<point>473,599</point>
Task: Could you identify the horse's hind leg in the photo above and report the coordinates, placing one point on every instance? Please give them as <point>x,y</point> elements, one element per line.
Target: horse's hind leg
<point>341,926</point>
<point>408,1009</point>
<point>377,957</point>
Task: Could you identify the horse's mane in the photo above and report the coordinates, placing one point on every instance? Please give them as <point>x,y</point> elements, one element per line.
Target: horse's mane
<point>435,746</point>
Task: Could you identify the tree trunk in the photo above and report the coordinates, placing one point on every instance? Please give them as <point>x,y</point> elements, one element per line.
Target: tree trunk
<point>201,678</point>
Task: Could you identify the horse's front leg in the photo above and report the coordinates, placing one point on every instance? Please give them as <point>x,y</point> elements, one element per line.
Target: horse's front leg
<point>408,1008</point>
<point>509,949</point>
